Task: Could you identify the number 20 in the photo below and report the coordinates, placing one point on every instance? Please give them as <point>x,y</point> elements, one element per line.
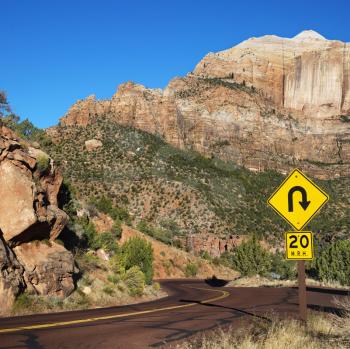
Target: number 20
<point>304,241</point>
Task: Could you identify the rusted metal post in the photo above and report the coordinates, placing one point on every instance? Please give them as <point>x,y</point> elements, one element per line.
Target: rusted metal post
<point>302,291</point>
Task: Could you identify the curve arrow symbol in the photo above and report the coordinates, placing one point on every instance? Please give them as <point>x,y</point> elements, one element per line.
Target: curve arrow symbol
<point>304,203</point>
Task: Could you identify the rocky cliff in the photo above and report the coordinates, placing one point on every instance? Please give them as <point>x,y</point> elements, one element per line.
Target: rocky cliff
<point>30,221</point>
<point>268,102</point>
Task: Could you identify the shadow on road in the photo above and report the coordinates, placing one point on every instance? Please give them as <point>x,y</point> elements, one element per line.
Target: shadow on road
<point>325,309</point>
<point>329,291</point>
<point>215,282</point>
<point>230,308</point>
<point>29,340</point>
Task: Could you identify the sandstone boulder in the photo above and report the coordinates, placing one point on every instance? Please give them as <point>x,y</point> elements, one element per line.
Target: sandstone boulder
<point>103,223</point>
<point>11,277</point>
<point>17,191</point>
<point>93,144</point>
<point>29,211</point>
<point>102,254</point>
<point>48,268</point>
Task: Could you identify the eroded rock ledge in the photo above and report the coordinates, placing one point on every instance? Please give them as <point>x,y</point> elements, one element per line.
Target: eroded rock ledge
<point>30,221</point>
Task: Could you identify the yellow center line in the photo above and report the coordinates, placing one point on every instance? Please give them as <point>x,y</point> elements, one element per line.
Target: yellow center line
<point>224,294</point>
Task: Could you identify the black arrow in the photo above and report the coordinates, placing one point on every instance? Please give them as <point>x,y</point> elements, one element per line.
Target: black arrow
<point>304,203</point>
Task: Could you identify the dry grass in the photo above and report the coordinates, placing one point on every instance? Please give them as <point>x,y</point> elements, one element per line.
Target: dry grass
<point>322,331</point>
<point>100,295</point>
<point>259,281</point>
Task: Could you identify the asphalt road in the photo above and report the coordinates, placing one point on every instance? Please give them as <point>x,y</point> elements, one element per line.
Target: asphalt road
<point>191,306</point>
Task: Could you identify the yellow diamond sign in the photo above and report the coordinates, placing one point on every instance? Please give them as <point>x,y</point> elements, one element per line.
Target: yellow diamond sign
<point>297,199</point>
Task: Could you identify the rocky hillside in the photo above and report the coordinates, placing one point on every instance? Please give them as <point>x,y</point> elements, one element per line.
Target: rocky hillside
<point>30,221</point>
<point>267,103</point>
<point>170,262</point>
<point>203,203</point>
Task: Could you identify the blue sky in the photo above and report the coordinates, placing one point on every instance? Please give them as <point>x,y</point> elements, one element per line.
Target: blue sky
<point>54,52</point>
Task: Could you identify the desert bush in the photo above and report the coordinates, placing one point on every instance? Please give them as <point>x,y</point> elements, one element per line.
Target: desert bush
<point>345,118</point>
<point>117,229</point>
<point>27,303</point>
<point>156,286</point>
<point>108,290</point>
<point>205,255</point>
<point>117,264</point>
<point>135,281</point>
<point>191,270</point>
<point>42,163</point>
<point>107,241</point>
<point>138,252</point>
<point>251,259</point>
<point>167,266</point>
<point>285,269</point>
<point>105,205</point>
<point>87,261</point>
<point>333,263</point>
<point>23,302</point>
<point>114,278</point>
<point>160,234</point>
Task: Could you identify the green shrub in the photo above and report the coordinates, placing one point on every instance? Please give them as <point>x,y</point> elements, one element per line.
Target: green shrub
<point>191,270</point>
<point>205,255</point>
<point>135,281</point>
<point>106,241</point>
<point>285,269</point>
<point>167,266</point>
<point>113,278</point>
<point>89,232</point>
<point>108,290</point>
<point>42,163</point>
<point>164,234</point>
<point>86,280</point>
<point>117,264</point>
<point>105,205</point>
<point>333,263</point>
<point>345,118</point>
<point>117,229</point>
<point>216,261</point>
<point>88,261</point>
<point>156,286</point>
<point>251,259</point>
<point>138,252</point>
<point>23,302</point>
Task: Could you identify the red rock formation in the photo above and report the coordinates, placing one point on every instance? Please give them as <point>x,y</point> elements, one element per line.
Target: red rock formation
<point>28,211</point>
<point>48,268</point>
<point>213,244</point>
<point>269,102</point>
<point>103,223</point>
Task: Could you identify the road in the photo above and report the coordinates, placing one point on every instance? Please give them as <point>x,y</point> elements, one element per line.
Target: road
<point>191,306</point>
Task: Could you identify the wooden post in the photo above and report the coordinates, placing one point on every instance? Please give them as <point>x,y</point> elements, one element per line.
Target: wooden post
<point>302,291</point>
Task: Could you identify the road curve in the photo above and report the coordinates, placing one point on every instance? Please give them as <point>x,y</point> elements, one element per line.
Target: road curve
<point>192,306</point>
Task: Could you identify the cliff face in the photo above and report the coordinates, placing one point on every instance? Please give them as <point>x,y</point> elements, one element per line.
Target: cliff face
<point>306,73</point>
<point>30,221</point>
<point>269,102</point>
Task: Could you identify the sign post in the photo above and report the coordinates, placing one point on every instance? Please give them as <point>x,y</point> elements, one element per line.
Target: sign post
<point>302,291</point>
<point>298,200</point>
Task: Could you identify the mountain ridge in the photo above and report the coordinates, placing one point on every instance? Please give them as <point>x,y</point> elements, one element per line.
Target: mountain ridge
<point>269,106</point>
